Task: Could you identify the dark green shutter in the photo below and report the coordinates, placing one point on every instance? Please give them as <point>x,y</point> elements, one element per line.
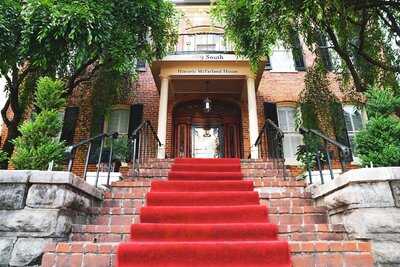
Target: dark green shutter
<point>297,52</point>
<point>339,124</point>
<point>68,130</point>
<point>136,117</point>
<point>96,129</point>
<point>271,112</point>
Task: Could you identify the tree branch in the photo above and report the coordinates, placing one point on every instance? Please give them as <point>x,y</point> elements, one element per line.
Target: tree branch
<point>72,81</point>
<point>346,58</point>
<point>4,112</point>
<point>377,62</point>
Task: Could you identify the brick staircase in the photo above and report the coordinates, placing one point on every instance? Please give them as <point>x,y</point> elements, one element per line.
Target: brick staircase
<point>313,241</point>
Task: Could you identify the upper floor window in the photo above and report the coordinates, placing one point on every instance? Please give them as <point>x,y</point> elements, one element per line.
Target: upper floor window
<point>203,42</point>
<point>325,53</point>
<point>354,123</point>
<point>119,121</point>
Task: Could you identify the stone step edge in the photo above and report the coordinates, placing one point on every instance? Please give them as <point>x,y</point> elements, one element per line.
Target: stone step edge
<point>283,229</point>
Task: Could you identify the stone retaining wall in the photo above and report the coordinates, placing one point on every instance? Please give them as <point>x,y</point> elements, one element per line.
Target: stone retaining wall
<point>37,208</point>
<point>367,202</point>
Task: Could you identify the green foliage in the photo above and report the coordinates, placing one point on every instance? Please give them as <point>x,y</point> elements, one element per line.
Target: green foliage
<point>379,142</point>
<point>3,156</point>
<point>116,33</point>
<point>382,101</point>
<point>38,145</point>
<point>320,110</point>
<point>122,149</point>
<point>361,34</point>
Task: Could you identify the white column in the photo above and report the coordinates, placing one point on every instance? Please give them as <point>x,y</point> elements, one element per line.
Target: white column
<point>253,119</point>
<point>162,117</point>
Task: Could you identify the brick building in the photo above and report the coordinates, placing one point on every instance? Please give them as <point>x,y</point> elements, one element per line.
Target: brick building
<point>203,70</point>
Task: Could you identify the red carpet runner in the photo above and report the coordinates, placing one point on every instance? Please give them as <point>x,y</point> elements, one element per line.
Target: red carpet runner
<point>204,215</point>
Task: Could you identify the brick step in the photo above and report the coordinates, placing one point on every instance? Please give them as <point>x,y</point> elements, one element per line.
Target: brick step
<point>132,216</point>
<point>271,210</point>
<point>140,192</point>
<point>118,233</point>
<point>258,182</point>
<point>308,253</point>
<point>140,202</point>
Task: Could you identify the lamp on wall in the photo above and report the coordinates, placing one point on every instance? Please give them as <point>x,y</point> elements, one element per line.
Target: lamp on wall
<point>207,102</point>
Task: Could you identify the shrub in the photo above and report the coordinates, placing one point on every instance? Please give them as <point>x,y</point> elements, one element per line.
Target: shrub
<point>38,144</point>
<point>379,142</point>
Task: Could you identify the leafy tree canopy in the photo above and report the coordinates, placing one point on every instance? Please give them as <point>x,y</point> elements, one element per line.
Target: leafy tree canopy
<point>362,33</point>
<point>71,40</point>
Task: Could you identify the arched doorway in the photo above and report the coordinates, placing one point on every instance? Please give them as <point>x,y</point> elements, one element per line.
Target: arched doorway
<point>213,134</point>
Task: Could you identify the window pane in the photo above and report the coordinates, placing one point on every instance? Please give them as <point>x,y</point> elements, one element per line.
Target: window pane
<point>119,121</point>
<point>357,120</point>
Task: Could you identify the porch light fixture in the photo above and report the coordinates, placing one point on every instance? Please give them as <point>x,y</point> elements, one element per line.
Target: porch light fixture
<point>207,101</point>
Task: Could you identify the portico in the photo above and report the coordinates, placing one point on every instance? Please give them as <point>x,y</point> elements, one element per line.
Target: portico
<point>227,82</point>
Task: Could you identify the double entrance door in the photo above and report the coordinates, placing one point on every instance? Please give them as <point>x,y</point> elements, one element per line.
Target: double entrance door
<point>207,135</point>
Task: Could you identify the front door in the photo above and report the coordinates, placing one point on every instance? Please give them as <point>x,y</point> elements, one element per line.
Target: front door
<point>207,142</point>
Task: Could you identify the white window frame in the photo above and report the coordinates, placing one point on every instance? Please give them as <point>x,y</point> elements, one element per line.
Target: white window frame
<point>294,133</point>
<point>279,54</point>
<point>108,118</point>
<point>364,118</point>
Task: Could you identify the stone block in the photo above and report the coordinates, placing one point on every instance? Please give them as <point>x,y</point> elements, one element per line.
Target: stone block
<point>395,186</point>
<point>36,222</point>
<point>14,177</point>
<point>46,196</point>
<point>6,247</point>
<point>12,196</point>
<point>358,195</point>
<point>28,251</point>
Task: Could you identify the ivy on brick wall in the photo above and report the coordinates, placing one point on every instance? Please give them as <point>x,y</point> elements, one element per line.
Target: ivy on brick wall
<point>319,109</point>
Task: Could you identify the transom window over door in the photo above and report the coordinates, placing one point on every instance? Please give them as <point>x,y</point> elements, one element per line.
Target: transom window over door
<point>119,121</point>
<point>292,138</point>
<point>354,123</point>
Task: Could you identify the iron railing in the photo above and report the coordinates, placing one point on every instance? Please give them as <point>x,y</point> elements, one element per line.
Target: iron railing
<point>90,143</point>
<point>145,145</point>
<point>207,43</point>
<point>270,144</point>
<point>323,154</point>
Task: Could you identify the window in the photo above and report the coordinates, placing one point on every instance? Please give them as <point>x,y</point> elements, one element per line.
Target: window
<point>119,121</point>
<point>354,123</point>
<point>141,65</point>
<point>292,138</point>
<point>325,52</point>
<point>282,60</point>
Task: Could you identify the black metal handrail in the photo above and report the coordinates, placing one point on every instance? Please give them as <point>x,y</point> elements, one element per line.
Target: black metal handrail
<point>194,43</point>
<point>270,144</point>
<point>71,151</point>
<point>145,145</point>
<point>344,153</point>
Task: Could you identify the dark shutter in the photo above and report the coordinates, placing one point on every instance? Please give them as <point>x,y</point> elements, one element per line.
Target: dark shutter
<point>268,65</point>
<point>297,52</point>
<point>136,117</point>
<point>96,129</point>
<point>339,125</point>
<point>271,112</point>
<point>69,125</point>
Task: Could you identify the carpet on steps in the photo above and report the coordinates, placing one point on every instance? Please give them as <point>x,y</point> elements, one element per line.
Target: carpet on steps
<point>204,215</point>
